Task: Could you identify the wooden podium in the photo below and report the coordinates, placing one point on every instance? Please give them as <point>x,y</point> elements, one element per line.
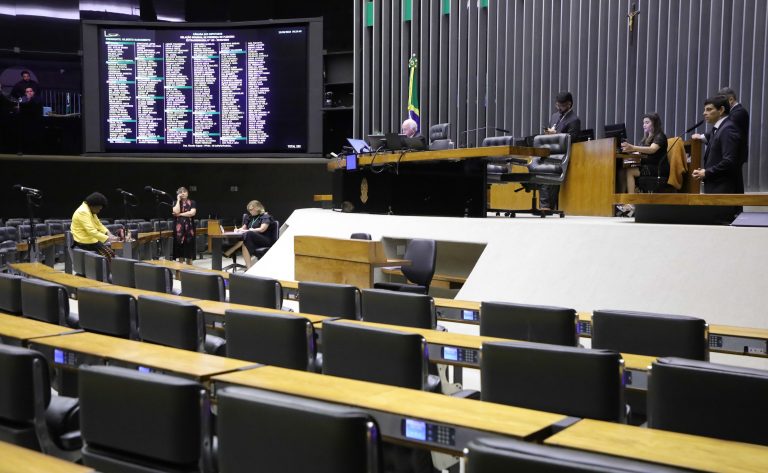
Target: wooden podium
<point>339,260</point>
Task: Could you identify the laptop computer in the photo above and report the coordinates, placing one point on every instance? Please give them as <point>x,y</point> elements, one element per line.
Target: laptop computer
<point>376,141</point>
<point>394,142</point>
<point>360,146</point>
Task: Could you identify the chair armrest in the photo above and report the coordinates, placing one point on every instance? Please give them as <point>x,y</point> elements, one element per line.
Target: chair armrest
<point>467,394</point>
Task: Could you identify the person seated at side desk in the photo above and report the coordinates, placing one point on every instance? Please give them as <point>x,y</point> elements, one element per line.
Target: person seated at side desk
<point>254,230</point>
<point>413,140</point>
<point>653,148</point>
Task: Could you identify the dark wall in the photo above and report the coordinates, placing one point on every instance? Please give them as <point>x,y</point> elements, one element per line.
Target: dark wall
<point>280,187</point>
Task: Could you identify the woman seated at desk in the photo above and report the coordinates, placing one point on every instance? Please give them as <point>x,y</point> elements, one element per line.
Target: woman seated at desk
<point>255,230</point>
<point>654,147</point>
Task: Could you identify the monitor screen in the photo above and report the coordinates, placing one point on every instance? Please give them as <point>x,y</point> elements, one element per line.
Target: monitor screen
<point>231,88</point>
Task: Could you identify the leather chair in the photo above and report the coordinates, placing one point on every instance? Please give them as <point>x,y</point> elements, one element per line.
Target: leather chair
<point>29,415</point>
<point>47,302</point>
<point>123,273</point>
<point>255,290</point>
<point>708,399</point>
<point>95,267</point>
<point>108,313</point>
<point>274,231</point>
<point>201,285</point>
<point>78,261</point>
<point>150,277</point>
<point>643,333</point>
<point>10,293</point>
<point>566,380</point>
<point>143,422</point>
<point>256,427</point>
<point>332,300</point>
<point>360,236</point>
<point>532,323</point>
<point>492,455</point>
<point>176,324</point>
<point>497,166</point>
<point>549,171</point>
<point>398,308</point>
<point>283,340</point>
<point>422,255</point>
<point>439,137</point>
<point>8,240</point>
<point>236,243</point>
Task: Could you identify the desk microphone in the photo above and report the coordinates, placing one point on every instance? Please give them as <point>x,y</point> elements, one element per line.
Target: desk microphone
<point>154,191</point>
<point>694,126</point>
<point>124,192</point>
<point>29,190</point>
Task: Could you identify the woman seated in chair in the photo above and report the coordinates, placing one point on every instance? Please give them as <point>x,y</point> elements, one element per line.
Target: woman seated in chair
<point>653,146</point>
<point>254,230</point>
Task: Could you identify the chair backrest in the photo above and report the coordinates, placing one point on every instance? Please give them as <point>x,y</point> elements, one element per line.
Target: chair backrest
<point>56,228</point>
<point>11,233</point>
<point>423,255</point>
<point>398,308</point>
<point>45,301</point>
<point>95,267</point>
<point>146,227</point>
<point>498,141</point>
<point>17,389</point>
<point>491,455</point>
<point>10,293</point>
<point>107,312</point>
<point>123,273</point>
<point>24,232</point>
<point>531,323</point>
<point>375,355</point>
<point>333,300</point>
<point>41,229</point>
<point>360,236</point>
<point>200,285</point>
<point>559,146</point>
<point>156,421</point>
<point>650,334</point>
<point>283,340</point>
<point>441,131</point>
<point>171,322</point>
<point>254,424</point>
<point>567,380</point>
<point>257,291</point>
<point>78,261</point>
<point>708,399</point>
<point>151,277</point>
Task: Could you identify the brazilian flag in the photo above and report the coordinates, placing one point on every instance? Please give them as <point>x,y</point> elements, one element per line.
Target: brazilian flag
<point>413,91</point>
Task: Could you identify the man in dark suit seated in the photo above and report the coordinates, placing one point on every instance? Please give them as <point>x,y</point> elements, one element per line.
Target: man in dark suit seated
<point>413,140</point>
<point>722,160</point>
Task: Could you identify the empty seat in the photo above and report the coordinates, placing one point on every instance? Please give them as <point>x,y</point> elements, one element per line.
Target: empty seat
<point>143,422</point>
<point>566,380</point>
<point>41,229</point>
<point>422,255</point>
<point>283,340</point>
<point>46,301</point>
<point>29,415</point>
<point>255,290</point>
<point>332,300</point>
<point>176,324</point>
<point>532,323</point>
<point>360,236</point>
<point>713,400</point>
<point>78,261</point>
<point>255,428</point>
<point>146,227</point>
<point>122,272</point>
<point>107,312</point>
<point>95,267</point>
<point>398,308</point>
<point>439,137</point>
<point>10,293</point>
<point>201,285</point>
<point>150,277</point>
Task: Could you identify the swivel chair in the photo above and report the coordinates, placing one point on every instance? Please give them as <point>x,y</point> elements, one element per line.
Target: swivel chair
<point>532,323</point>
<point>201,285</point>
<point>398,308</point>
<point>108,313</point>
<point>10,293</point>
<point>176,324</point>
<point>123,273</point>
<point>423,256</point>
<point>255,290</point>
<point>150,277</point>
<point>439,137</point>
<point>332,300</point>
<point>360,236</point>
<point>95,267</point>
<point>47,302</point>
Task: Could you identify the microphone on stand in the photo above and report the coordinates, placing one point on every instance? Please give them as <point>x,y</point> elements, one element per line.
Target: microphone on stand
<point>125,192</point>
<point>154,191</point>
<point>694,126</point>
<point>28,190</point>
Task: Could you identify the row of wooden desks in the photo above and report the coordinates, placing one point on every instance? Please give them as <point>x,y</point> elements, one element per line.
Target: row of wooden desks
<point>17,459</point>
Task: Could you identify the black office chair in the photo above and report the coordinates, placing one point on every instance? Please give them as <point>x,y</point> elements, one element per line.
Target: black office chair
<point>201,285</point>
<point>108,313</point>
<point>95,267</point>
<point>283,340</point>
<point>256,291</point>
<point>10,293</point>
<point>259,430</point>
<point>29,415</point>
<point>423,256</point>
<point>398,308</point>
<point>492,455</point>
<point>235,245</point>
<point>47,302</point>
<point>78,261</point>
<point>144,422</point>
<point>567,380</point>
<point>497,166</point>
<point>550,171</point>
<point>708,399</point>
<point>176,324</point>
<point>332,300</point>
<point>274,232</point>
<point>532,323</point>
<point>123,273</point>
<point>360,236</point>
<point>150,277</point>
<point>439,137</point>
<point>643,333</point>
<point>8,240</point>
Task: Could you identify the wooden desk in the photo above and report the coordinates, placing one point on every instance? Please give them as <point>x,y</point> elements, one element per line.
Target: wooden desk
<point>142,292</point>
<point>46,244</point>
<point>215,241</point>
<point>113,350</point>
<point>20,329</point>
<point>755,199</point>
<point>31,269</point>
<point>339,260</point>
<point>445,281</point>
<point>178,266</point>
<point>659,446</point>
<point>217,309</point>
<point>17,459</point>
<point>128,249</point>
<point>460,419</point>
<point>69,281</point>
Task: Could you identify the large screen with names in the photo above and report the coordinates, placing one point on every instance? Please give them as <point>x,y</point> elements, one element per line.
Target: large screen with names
<point>203,88</point>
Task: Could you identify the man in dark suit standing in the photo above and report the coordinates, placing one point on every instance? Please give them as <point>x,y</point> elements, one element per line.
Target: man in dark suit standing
<point>564,120</point>
<point>722,161</point>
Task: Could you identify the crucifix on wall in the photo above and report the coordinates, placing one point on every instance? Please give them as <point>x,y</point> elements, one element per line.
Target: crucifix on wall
<point>632,21</point>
